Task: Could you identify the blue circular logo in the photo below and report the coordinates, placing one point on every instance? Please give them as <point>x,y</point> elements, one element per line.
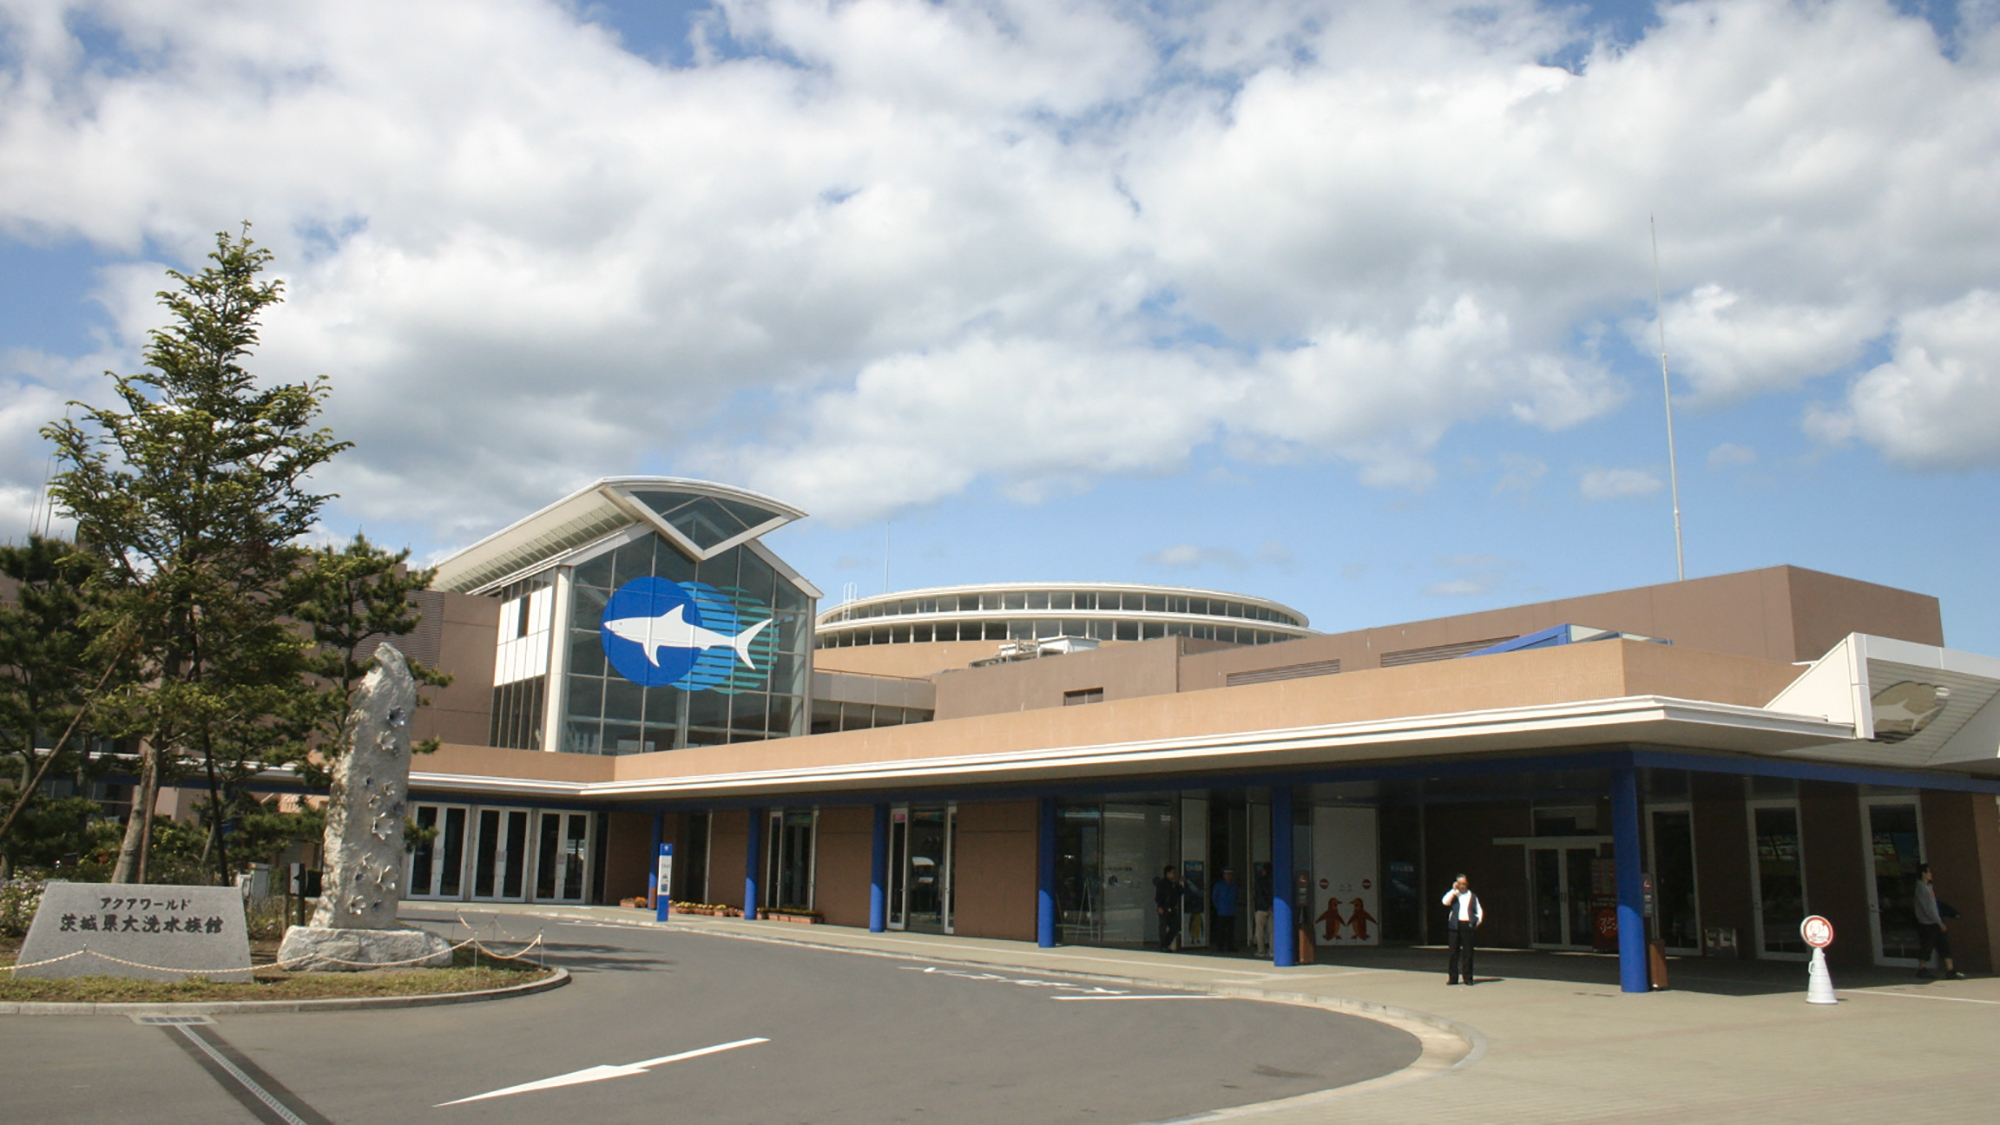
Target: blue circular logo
<point>659,633</point>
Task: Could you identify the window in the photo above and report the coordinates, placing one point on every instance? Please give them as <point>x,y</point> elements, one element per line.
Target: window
<point>1083,695</point>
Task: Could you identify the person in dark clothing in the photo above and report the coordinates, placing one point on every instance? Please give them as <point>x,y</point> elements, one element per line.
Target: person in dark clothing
<point>1932,938</point>
<point>1167,900</point>
<point>1260,909</point>
<point>1462,922</point>
<point>1223,897</point>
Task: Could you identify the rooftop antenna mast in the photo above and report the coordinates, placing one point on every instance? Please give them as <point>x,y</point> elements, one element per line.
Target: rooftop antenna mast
<point>888,541</point>
<point>1667,388</point>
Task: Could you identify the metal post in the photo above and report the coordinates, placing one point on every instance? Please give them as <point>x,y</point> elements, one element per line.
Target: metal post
<point>654,893</point>
<point>1284,933</point>
<point>1045,878</point>
<point>878,874</point>
<point>752,864</point>
<point>1633,975</point>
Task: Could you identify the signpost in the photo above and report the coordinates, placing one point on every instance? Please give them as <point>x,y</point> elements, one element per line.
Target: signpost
<point>1818,933</point>
<point>663,881</point>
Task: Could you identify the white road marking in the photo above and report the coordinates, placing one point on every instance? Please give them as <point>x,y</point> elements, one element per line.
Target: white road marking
<point>963,974</point>
<point>1915,996</point>
<point>1161,996</point>
<point>600,1073</point>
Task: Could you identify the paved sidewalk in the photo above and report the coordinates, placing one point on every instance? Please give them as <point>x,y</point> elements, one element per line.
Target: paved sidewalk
<point>1550,1049</point>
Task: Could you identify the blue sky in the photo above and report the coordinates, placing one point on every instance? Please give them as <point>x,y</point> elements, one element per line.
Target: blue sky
<point>1347,305</point>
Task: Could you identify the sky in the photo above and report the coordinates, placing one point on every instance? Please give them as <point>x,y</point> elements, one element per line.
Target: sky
<point>1349,305</point>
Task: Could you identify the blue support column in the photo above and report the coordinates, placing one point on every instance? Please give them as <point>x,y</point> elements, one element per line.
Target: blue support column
<point>1045,877</point>
<point>1284,932</point>
<point>753,866</point>
<point>878,874</point>
<point>1633,974</point>
<point>654,893</point>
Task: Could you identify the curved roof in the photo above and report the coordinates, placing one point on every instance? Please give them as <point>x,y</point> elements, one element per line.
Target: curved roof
<point>702,518</point>
<point>849,614</point>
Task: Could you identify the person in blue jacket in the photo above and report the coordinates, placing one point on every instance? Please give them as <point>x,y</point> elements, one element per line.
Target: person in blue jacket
<point>1223,897</point>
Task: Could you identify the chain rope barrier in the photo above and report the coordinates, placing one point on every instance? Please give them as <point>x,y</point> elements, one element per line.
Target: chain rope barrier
<point>533,944</point>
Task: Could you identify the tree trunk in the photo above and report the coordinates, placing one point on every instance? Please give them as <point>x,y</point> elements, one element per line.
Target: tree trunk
<point>214,816</point>
<point>131,867</point>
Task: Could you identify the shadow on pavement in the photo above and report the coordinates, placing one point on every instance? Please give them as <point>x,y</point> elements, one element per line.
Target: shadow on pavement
<point>1709,975</point>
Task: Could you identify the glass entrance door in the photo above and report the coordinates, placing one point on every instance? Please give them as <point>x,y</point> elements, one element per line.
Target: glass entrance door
<point>437,865</point>
<point>1780,878</point>
<point>788,872</point>
<point>1676,916</point>
<point>921,867</point>
<point>562,857</point>
<point>1559,888</point>
<point>500,855</point>
<point>1895,848</point>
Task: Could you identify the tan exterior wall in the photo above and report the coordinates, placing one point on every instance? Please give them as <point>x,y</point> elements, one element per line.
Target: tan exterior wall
<point>1962,845</point>
<point>843,850</point>
<point>1722,857</point>
<point>628,845</point>
<point>493,761</point>
<point>1781,613</point>
<point>729,835</point>
<point>1568,674</point>
<point>1126,671</point>
<point>462,713</point>
<point>1827,607</point>
<point>1836,867</point>
<point>993,872</point>
<point>916,660</point>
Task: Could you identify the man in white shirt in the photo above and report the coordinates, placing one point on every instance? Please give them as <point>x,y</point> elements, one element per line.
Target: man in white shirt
<point>1462,923</point>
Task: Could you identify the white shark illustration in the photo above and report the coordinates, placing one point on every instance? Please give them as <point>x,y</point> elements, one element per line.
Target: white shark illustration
<point>671,630</point>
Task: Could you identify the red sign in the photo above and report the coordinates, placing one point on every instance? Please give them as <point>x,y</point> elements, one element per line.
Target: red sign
<point>1817,931</point>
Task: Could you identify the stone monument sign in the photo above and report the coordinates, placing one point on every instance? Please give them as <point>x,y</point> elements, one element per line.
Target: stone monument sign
<point>133,930</point>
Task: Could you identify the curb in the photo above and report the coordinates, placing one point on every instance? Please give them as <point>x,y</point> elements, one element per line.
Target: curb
<point>270,1007</point>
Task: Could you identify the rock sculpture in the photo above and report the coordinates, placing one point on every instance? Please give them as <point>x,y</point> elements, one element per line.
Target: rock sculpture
<point>355,926</point>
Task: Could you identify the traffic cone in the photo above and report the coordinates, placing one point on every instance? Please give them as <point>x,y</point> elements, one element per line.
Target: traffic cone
<point>1819,987</point>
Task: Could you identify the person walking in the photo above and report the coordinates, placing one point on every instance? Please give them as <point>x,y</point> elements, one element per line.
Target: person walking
<point>1223,895</point>
<point>1462,919</point>
<point>1260,909</point>
<point>1931,935</point>
<point>1167,900</point>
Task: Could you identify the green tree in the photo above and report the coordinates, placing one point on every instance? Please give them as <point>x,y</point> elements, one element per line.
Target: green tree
<point>48,674</point>
<point>350,599</point>
<point>194,492</point>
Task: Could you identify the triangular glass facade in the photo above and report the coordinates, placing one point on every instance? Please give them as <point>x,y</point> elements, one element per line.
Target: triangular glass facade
<point>707,521</point>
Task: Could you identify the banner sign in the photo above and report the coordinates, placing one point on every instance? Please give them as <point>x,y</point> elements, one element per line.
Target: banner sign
<point>1346,894</point>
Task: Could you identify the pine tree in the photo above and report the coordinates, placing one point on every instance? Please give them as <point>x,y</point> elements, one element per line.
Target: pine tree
<point>193,494</point>
<point>47,676</point>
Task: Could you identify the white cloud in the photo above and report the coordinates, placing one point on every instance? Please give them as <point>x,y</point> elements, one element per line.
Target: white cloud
<point>1729,455</point>
<point>1936,403</point>
<point>1477,574</point>
<point>1188,556</point>
<point>1617,484</point>
<point>1730,346</point>
<point>911,246</point>
<point>1521,473</point>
